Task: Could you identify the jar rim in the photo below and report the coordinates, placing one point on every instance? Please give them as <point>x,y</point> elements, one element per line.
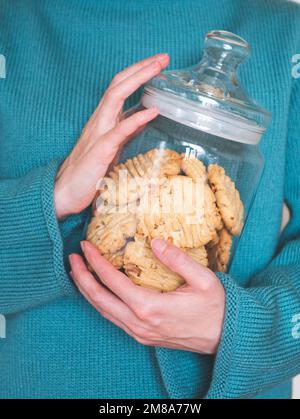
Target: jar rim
<point>213,121</point>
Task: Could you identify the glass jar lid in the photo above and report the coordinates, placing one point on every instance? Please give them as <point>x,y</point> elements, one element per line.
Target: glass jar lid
<point>208,96</point>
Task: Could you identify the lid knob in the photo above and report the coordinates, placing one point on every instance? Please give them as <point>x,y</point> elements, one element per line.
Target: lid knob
<point>208,96</point>
<point>225,50</point>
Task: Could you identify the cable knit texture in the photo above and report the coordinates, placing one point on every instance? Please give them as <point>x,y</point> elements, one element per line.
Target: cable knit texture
<point>60,57</point>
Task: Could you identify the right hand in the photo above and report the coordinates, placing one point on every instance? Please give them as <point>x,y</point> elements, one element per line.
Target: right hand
<point>102,137</point>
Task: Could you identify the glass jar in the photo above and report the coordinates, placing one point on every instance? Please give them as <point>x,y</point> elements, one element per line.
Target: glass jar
<point>191,175</point>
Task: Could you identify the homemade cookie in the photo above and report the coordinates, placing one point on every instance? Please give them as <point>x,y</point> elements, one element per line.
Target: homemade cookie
<point>213,242</point>
<point>211,209</point>
<point>193,168</point>
<point>184,212</point>
<point>154,163</point>
<point>119,193</point>
<point>116,259</point>
<point>145,270</point>
<point>109,232</point>
<point>219,253</point>
<point>198,212</point>
<point>165,162</point>
<point>228,199</point>
<point>126,182</point>
<point>199,254</point>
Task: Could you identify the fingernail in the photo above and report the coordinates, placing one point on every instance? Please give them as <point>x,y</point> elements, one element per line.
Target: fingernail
<point>71,258</point>
<point>82,245</point>
<point>159,245</point>
<point>155,65</point>
<point>163,56</point>
<point>153,110</point>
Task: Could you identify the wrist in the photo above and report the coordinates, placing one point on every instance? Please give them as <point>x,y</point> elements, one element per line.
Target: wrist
<point>59,203</point>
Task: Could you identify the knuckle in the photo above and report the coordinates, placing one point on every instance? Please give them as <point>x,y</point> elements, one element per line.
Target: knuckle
<point>110,95</point>
<point>120,129</point>
<point>209,282</point>
<point>98,300</point>
<point>144,312</point>
<point>155,320</point>
<point>181,258</point>
<point>149,314</point>
<point>178,258</point>
<point>116,79</point>
<point>209,285</point>
<point>116,95</point>
<point>139,118</point>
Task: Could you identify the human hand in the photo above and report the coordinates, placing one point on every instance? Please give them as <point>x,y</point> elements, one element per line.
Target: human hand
<point>102,137</point>
<point>190,318</point>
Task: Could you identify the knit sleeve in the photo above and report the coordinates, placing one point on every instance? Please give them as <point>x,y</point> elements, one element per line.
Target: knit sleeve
<point>32,269</point>
<point>260,344</point>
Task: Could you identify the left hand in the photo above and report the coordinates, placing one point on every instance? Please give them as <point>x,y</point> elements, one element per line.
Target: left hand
<point>190,318</point>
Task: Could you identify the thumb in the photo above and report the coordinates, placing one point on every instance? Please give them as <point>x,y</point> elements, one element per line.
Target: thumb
<point>178,261</point>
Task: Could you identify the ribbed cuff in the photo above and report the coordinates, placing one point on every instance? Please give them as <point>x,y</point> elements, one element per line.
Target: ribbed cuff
<point>227,343</point>
<point>32,267</point>
<point>54,230</point>
<point>257,351</point>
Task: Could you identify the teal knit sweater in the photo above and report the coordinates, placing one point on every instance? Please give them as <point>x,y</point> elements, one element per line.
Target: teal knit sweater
<point>60,56</point>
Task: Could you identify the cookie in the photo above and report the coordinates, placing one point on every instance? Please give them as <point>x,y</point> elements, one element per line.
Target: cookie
<point>198,212</point>
<point>193,168</point>
<point>199,254</point>
<point>219,253</point>
<point>196,169</point>
<point>113,194</point>
<point>109,232</point>
<point>211,209</point>
<point>184,212</point>
<point>126,182</point>
<point>165,162</point>
<point>154,163</point>
<point>213,242</point>
<point>116,259</point>
<point>144,269</point>
<point>228,199</point>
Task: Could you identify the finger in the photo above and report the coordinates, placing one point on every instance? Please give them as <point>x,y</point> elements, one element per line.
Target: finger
<point>102,299</point>
<point>162,58</point>
<point>102,312</point>
<point>117,322</point>
<point>179,262</point>
<point>105,150</point>
<point>114,98</point>
<point>105,314</point>
<point>126,323</point>
<point>133,123</point>
<point>119,283</point>
<point>135,69</point>
<point>128,328</point>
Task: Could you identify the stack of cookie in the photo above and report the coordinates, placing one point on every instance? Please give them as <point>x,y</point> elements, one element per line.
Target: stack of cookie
<point>162,194</point>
